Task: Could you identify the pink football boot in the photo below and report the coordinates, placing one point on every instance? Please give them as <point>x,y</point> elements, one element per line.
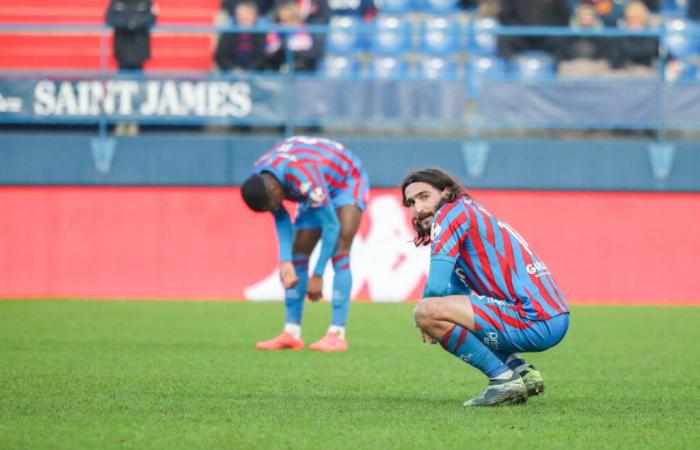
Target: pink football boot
<point>284,341</point>
<point>331,342</point>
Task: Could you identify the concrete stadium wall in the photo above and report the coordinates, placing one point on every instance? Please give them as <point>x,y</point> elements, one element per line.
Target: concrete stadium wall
<point>202,243</point>
<point>176,160</point>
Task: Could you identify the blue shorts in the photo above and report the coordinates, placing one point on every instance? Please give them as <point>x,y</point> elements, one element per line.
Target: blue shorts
<point>356,193</point>
<point>500,327</point>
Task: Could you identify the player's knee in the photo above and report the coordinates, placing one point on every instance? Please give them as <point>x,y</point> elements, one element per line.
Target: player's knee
<point>425,312</point>
<point>344,243</point>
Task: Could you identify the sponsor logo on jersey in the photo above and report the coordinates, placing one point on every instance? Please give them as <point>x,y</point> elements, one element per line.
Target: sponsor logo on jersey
<point>538,269</point>
<point>491,340</point>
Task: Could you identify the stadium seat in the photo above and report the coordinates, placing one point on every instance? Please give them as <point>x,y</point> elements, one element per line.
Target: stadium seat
<point>440,36</point>
<point>533,66</point>
<point>395,6</point>
<point>672,8</point>
<point>391,36</point>
<point>388,67</point>
<point>340,67</point>
<point>482,39</point>
<point>436,68</point>
<point>481,68</point>
<point>440,6</point>
<point>487,66</point>
<point>345,35</point>
<point>681,37</point>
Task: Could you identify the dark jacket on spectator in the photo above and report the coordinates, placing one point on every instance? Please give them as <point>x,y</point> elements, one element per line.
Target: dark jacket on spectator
<point>694,10</point>
<point>132,21</point>
<point>634,51</point>
<point>241,51</point>
<point>264,6</point>
<point>531,13</point>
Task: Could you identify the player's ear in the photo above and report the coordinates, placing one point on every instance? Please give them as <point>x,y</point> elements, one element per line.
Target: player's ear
<point>445,193</point>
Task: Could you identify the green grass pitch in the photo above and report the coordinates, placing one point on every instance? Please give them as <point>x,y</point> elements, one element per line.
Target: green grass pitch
<point>185,375</point>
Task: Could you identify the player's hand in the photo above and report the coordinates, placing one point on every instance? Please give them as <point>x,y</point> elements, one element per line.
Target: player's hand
<point>426,338</point>
<point>314,288</point>
<point>288,275</point>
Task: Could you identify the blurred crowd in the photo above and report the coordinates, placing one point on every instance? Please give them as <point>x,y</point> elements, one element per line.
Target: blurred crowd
<point>287,44</point>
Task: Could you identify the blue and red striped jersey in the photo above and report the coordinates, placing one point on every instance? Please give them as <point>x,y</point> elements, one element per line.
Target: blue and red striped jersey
<point>493,260</point>
<point>312,170</point>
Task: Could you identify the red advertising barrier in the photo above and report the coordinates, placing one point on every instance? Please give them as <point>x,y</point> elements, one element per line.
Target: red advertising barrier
<point>203,244</point>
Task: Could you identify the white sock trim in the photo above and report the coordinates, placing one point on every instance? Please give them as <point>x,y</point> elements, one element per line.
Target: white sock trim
<point>504,376</point>
<point>294,329</point>
<point>337,330</point>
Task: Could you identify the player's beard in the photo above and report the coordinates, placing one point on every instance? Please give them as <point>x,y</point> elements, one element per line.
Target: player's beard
<point>423,231</point>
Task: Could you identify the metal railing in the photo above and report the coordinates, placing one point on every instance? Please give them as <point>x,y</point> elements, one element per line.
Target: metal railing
<point>464,101</point>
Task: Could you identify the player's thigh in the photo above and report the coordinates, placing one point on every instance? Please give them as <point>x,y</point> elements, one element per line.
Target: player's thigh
<point>499,325</point>
<point>349,217</point>
<point>305,240</point>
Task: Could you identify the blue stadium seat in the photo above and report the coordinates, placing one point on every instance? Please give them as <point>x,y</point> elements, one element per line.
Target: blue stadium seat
<point>672,8</point>
<point>487,66</point>
<point>345,35</point>
<point>440,36</point>
<point>395,6</point>
<point>680,45</point>
<point>482,39</point>
<point>436,68</point>
<point>440,6</point>
<point>391,36</point>
<point>533,66</point>
<point>681,37</point>
<point>336,66</point>
<point>481,68</point>
<point>388,67</point>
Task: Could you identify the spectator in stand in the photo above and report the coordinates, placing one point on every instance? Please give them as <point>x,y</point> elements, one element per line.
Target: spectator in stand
<point>365,9</point>
<point>635,55</point>
<point>584,55</point>
<point>693,10</point>
<point>265,7</point>
<point>132,21</point>
<point>531,13</point>
<point>306,48</point>
<point>469,5</point>
<point>242,50</point>
<point>611,12</point>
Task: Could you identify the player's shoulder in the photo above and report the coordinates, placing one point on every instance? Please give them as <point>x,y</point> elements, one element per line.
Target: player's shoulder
<point>455,211</point>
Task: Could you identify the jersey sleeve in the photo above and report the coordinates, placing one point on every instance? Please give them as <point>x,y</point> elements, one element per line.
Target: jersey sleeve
<point>448,232</point>
<point>438,278</point>
<point>285,232</point>
<point>307,180</point>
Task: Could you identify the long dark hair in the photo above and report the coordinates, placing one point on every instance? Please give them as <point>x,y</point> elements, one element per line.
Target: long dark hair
<point>440,180</point>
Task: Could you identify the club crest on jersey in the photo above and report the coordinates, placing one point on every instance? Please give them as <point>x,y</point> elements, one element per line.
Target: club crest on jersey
<point>316,195</point>
<point>435,230</point>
